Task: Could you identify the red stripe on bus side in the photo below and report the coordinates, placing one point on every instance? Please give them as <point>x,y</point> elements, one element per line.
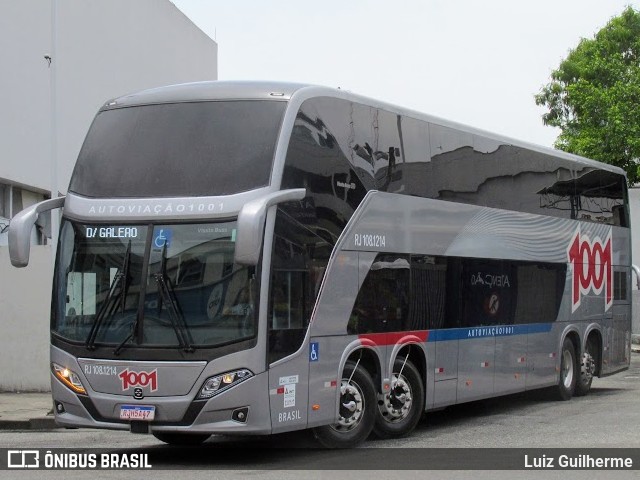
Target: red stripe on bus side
<point>393,338</point>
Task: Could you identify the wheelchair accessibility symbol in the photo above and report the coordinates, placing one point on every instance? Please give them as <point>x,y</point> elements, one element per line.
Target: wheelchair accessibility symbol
<point>314,349</point>
<point>162,237</point>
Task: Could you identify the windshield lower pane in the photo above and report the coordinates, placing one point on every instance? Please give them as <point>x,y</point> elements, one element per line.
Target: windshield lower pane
<point>99,275</point>
<point>193,294</point>
<point>194,287</point>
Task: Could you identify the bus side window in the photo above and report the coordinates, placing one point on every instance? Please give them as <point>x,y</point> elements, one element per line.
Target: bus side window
<point>287,305</point>
<point>382,304</point>
<point>428,293</point>
<point>287,316</point>
<point>489,292</point>
<point>299,259</point>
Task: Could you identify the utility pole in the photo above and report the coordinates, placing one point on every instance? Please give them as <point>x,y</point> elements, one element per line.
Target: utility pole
<point>55,218</point>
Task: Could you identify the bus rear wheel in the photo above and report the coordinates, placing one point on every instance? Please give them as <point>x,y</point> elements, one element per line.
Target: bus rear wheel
<point>568,371</point>
<point>184,439</point>
<point>356,412</point>
<point>400,410</point>
<point>587,367</point>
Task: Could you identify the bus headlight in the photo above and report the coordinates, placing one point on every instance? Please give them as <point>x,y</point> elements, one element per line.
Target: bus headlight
<point>68,377</point>
<point>214,385</point>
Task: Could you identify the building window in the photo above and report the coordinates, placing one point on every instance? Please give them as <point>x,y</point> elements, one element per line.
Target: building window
<point>5,201</point>
<point>14,199</point>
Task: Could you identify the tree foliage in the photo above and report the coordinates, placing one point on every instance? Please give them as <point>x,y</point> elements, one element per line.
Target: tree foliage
<point>594,96</point>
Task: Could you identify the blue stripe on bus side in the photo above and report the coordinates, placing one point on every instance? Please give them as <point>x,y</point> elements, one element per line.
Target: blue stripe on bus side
<point>488,331</point>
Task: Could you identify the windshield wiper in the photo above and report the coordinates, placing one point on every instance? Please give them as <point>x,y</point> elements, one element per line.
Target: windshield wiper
<point>134,327</point>
<point>117,291</point>
<point>167,296</point>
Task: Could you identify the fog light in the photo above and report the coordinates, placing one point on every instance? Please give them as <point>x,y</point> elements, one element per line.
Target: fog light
<point>240,414</point>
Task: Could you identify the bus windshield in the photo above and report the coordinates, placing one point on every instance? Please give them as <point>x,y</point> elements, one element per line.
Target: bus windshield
<point>179,149</point>
<point>171,286</point>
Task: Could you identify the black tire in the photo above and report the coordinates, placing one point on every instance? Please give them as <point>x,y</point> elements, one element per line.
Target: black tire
<point>400,410</point>
<point>587,367</point>
<point>184,439</point>
<point>568,371</point>
<point>357,410</point>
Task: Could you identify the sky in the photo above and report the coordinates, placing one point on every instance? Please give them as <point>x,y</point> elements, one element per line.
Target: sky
<point>475,62</point>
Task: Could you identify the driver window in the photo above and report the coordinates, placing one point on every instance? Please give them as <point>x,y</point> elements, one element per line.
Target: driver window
<point>298,263</point>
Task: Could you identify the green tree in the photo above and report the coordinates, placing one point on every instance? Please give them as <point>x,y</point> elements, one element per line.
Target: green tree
<point>594,96</point>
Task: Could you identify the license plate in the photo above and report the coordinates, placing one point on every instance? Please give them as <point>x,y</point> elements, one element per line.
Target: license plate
<point>137,412</point>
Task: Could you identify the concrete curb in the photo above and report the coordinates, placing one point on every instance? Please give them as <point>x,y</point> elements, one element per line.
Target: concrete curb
<point>37,423</point>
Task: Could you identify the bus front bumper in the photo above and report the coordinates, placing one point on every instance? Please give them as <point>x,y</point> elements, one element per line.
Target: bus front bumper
<point>243,409</point>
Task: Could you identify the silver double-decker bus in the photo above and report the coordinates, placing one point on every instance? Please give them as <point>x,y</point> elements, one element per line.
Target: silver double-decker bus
<point>253,258</point>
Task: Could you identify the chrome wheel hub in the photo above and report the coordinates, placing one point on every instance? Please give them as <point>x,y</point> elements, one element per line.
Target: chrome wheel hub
<point>396,405</point>
<point>351,406</point>
<point>587,368</point>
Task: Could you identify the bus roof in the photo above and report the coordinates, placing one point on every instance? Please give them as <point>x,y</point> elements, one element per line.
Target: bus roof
<point>209,90</point>
<point>271,90</point>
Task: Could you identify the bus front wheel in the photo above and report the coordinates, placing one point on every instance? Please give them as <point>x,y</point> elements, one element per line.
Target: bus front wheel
<point>400,410</point>
<point>356,412</point>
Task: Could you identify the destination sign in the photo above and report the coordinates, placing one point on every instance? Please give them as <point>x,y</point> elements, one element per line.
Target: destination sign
<point>111,232</point>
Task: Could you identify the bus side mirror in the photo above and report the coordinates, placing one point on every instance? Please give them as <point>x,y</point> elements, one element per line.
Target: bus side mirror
<point>20,230</point>
<point>251,220</point>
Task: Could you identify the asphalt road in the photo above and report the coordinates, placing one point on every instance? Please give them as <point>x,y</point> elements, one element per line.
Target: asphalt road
<point>606,418</point>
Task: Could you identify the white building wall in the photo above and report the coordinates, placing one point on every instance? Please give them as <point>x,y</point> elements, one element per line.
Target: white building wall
<point>104,49</point>
<point>133,45</point>
<point>25,306</point>
<point>25,38</point>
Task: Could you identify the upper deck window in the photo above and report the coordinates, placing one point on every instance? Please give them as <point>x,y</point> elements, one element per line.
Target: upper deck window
<point>179,149</point>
